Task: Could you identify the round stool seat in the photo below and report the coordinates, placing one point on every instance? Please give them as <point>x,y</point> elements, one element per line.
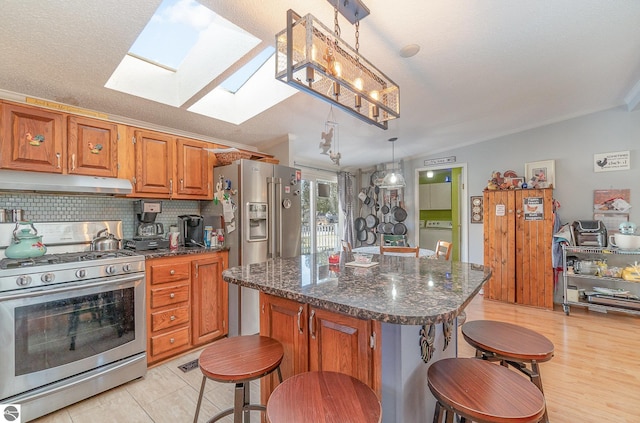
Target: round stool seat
<point>323,397</point>
<point>483,392</point>
<point>508,340</point>
<point>241,358</point>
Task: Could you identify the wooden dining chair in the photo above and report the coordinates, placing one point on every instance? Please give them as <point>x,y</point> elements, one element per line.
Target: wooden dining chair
<point>346,246</point>
<point>443,249</point>
<point>394,249</point>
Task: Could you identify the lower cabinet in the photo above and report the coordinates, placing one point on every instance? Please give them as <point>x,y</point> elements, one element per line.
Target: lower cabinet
<point>186,303</point>
<point>317,339</point>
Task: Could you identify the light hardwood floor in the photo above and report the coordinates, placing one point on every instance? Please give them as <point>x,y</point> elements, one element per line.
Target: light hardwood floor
<point>594,376</point>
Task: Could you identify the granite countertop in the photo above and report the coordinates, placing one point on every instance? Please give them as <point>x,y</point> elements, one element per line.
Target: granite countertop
<point>181,251</point>
<point>400,290</point>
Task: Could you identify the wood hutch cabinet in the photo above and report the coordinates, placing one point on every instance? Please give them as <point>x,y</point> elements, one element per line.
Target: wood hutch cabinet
<point>518,236</point>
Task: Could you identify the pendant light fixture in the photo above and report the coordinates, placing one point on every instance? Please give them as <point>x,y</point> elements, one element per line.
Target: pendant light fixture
<point>312,58</point>
<point>393,179</point>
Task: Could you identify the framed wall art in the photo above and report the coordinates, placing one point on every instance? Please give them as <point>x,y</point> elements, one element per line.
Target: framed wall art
<point>477,210</point>
<point>540,174</point>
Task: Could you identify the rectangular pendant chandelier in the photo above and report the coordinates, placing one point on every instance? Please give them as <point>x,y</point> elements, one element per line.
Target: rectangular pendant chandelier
<point>311,58</point>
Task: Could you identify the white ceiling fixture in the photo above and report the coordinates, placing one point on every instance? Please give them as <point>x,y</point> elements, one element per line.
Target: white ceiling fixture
<point>313,59</point>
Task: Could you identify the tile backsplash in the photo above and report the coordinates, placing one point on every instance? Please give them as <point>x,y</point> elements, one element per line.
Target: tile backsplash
<point>74,208</point>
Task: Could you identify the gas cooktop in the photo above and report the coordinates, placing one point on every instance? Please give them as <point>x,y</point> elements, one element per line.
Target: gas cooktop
<point>50,259</point>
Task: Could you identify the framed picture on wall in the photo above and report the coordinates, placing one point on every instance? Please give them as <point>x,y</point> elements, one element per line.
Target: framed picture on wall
<point>477,210</point>
<point>540,174</point>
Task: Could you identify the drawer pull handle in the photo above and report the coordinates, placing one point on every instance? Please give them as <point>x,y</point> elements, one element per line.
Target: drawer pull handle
<point>172,295</point>
<point>172,272</point>
<point>299,318</point>
<point>172,318</point>
<point>172,340</point>
<point>311,319</point>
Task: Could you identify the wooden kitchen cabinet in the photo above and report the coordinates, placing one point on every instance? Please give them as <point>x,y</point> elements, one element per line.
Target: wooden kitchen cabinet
<point>92,147</point>
<point>32,139</point>
<point>153,164</point>
<point>209,299</point>
<point>435,196</point>
<point>170,167</point>
<point>518,236</point>
<point>186,303</point>
<point>193,172</point>
<point>317,339</point>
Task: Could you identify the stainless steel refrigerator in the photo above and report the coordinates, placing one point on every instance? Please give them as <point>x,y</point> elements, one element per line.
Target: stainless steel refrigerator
<point>267,225</point>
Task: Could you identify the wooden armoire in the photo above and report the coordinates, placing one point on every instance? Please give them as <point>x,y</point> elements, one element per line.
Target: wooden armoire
<point>518,236</point>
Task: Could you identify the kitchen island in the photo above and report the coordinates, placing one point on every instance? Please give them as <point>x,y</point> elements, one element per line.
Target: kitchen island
<point>409,304</point>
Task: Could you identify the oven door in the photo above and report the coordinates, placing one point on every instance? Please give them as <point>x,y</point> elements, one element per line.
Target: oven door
<point>48,335</point>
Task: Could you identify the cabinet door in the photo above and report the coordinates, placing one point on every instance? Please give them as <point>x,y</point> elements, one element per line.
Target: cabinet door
<point>154,164</point>
<point>534,238</point>
<point>441,196</point>
<point>424,196</point>
<point>500,245</point>
<point>340,343</point>
<point>209,299</point>
<point>31,139</point>
<point>92,147</point>
<point>286,321</point>
<point>193,171</point>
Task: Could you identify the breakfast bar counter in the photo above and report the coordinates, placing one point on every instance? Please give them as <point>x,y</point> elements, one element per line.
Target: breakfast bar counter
<point>411,303</point>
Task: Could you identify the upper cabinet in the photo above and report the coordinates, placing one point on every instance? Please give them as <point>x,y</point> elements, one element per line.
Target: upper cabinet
<point>193,172</point>
<point>92,147</point>
<point>44,141</point>
<point>166,167</point>
<point>32,139</point>
<point>435,196</point>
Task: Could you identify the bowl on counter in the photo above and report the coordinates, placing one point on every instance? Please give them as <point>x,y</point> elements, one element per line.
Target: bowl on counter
<point>625,241</point>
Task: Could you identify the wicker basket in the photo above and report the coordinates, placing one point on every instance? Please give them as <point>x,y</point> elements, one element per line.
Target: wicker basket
<point>229,157</point>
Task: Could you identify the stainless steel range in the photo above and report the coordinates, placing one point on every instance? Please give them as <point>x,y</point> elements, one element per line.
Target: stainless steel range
<point>72,323</point>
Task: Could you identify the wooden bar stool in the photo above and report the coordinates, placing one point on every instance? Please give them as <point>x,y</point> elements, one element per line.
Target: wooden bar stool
<point>482,392</point>
<point>510,345</point>
<point>323,397</point>
<point>239,360</point>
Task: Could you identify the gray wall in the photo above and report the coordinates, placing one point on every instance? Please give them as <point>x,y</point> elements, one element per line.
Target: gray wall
<point>572,144</point>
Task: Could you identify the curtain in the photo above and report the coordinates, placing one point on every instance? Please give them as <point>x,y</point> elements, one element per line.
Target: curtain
<point>345,199</point>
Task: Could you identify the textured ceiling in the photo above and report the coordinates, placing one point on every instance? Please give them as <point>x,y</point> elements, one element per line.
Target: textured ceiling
<point>486,68</point>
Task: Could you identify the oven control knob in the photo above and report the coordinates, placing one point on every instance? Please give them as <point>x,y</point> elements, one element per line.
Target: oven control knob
<point>81,273</point>
<point>23,280</point>
<point>126,267</point>
<point>48,277</point>
<point>111,269</point>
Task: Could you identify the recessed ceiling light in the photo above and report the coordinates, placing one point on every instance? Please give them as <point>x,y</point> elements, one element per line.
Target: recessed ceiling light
<point>409,50</point>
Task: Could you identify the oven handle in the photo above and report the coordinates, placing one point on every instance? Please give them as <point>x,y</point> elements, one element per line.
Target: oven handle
<point>70,287</point>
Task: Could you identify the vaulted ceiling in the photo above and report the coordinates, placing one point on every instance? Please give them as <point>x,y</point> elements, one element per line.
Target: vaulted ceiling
<point>485,68</point>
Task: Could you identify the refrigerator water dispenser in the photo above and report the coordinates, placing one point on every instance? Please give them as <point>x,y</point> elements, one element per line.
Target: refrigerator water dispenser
<point>257,216</point>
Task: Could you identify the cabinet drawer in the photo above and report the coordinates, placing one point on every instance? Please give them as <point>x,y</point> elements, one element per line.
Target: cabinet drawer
<point>163,273</point>
<point>170,341</point>
<point>169,295</point>
<point>169,318</point>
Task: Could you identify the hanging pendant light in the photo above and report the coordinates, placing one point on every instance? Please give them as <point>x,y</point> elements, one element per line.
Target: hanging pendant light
<point>394,179</point>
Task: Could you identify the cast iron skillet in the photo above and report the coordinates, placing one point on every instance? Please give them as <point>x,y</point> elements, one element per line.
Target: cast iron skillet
<point>372,221</point>
<point>359,224</point>
<point>362,235</point>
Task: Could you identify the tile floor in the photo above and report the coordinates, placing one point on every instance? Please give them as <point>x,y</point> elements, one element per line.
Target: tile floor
<point>165,395</point>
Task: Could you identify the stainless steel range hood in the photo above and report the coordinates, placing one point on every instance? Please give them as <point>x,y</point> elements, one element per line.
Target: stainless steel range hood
<point>11,180</point>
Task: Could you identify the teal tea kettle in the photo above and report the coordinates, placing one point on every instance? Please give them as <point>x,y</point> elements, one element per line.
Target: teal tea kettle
<point>26,242</point>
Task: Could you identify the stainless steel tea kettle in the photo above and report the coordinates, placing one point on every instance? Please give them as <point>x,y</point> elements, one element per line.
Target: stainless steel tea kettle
<point>106,242</point>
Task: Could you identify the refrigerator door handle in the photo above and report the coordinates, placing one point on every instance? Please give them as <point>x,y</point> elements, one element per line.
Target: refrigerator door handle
<point>277,209</point>
<point>271,244</point>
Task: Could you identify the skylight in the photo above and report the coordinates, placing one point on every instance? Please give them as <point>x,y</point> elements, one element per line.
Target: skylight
<point>182,52</point>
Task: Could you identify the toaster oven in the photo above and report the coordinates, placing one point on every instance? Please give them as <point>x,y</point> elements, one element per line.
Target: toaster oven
<point>590,233</point>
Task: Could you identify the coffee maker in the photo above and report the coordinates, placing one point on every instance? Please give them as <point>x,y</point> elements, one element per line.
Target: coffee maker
<point>149,233</point>
<point>192,230</point>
